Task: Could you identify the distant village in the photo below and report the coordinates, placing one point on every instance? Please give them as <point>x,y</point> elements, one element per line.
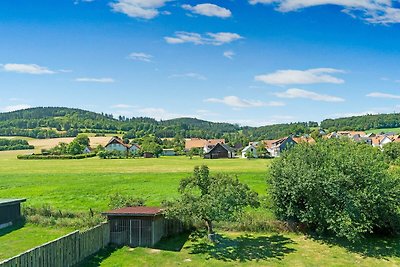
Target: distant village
<point>217,148</point>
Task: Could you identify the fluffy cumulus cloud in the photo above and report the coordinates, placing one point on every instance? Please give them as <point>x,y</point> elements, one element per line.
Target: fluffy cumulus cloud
<point>95,80</point>
<point>144,9</point>
<point>372,11</point>
<point>26,68</point>
<point>219,38</point>
<point>236,102</point>
<point>383,95</point>
<point>209,10</point>
<point>139,56</point>
<point>299,93</point>
<point>311,76</point>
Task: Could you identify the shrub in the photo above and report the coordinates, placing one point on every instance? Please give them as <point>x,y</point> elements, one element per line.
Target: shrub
<point>119,201</point>
<point>48,216</point>
<point>336,186</point>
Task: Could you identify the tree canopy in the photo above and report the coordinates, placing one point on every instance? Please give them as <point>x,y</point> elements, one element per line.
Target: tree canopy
<point>336,186</point>
<point>211,199</point>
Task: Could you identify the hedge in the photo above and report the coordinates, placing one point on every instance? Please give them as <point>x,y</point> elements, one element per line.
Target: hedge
<point>41,156</point>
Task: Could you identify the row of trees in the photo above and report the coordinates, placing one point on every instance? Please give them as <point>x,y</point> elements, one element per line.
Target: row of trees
<point>14,144</point>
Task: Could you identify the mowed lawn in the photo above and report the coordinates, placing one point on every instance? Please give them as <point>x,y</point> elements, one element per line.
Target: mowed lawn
<point>79,185</point>
<point>17,239</point>
<point>241,249</point>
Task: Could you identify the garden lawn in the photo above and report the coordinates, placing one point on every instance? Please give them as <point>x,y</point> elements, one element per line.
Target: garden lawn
<point>78,185</point>
<point>17,239</point>
<point>242,249</point>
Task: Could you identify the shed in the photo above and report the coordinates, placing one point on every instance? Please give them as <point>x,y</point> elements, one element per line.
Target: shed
<point>168,152</point>
<point>136,226</point>
<point>148,155</point>
<point>10,211</point>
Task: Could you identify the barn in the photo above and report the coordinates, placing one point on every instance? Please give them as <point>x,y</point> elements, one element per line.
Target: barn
<point>10,211</point>
<point>219,151</point>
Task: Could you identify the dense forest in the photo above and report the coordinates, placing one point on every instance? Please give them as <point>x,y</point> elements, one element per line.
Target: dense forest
<point>51,122</point>
<point>363,123</point>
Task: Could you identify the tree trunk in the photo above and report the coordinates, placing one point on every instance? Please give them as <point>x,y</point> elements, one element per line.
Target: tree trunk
<point>210,230</point>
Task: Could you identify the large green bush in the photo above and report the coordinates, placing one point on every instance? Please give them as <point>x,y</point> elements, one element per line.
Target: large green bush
<point>336,186</point>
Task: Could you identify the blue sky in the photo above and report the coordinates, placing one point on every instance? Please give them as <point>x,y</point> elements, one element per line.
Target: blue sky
<point>250,62</point>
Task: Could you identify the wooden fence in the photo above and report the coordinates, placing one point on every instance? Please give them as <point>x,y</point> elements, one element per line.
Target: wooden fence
<point>64,251</point>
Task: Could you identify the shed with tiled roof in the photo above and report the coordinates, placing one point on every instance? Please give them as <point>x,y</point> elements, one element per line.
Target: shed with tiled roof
<point>139,226</point>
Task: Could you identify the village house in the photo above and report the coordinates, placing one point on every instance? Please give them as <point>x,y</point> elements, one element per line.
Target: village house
<point>116,144</point>
<point>218,151</point>
<point>249,149</point>
<point>276,147</point>
<point>201,143</point>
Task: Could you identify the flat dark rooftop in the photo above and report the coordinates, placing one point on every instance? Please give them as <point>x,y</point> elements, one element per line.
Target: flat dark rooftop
<point>10,201</point>
<point>135,211</point>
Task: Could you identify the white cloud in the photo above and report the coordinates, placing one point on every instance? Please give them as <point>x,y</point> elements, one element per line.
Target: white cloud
<point>372,11</point>
<point>160,114</point>
<point>209,38</point>
<point>299,93</point>
<point>310,76</point>
<point>229,54</point>
<point>383,95</point>
<point>95,80</point>
<point>236,102</point>
<point>15,107</point>
<point>209,10</point>
<point>139,56</point>
<point>145,9</point>
<point>191,75</point>
<point>26,68</point>
<point>123,106</point>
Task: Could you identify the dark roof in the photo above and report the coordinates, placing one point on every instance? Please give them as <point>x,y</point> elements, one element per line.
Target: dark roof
<point>6,202</point>
<point>224,146</point>
<point>135,211</point>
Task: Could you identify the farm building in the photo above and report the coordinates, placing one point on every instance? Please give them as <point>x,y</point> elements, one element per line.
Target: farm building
<point>10,211</point>
<point>219,151</point>
<point>168,152</point>
<point>139,226</point>
<point>200,143</point>
<point>249,149</point>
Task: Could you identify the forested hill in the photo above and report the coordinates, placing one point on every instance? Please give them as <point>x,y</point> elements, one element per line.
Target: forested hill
<point>363,123</point>
<point>50,122</point>
<point>47,122</point>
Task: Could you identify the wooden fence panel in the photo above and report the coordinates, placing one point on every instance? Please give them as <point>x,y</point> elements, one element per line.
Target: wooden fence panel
<point>65,251</point>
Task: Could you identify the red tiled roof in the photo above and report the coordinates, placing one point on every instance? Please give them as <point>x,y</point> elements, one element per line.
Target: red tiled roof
<point>142,211</point>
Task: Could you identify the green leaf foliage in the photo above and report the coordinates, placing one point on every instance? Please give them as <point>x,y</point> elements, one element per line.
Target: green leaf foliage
<point>211,198</point>
<point>336,186</point>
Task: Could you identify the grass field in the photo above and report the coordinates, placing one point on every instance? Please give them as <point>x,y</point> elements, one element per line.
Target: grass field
<point>82,184</point>
<point>78,185</point>
<point>19,238</point>
<point>386,130</point>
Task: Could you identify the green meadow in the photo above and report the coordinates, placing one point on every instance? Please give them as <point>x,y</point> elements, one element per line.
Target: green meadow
<point>80,185</point>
